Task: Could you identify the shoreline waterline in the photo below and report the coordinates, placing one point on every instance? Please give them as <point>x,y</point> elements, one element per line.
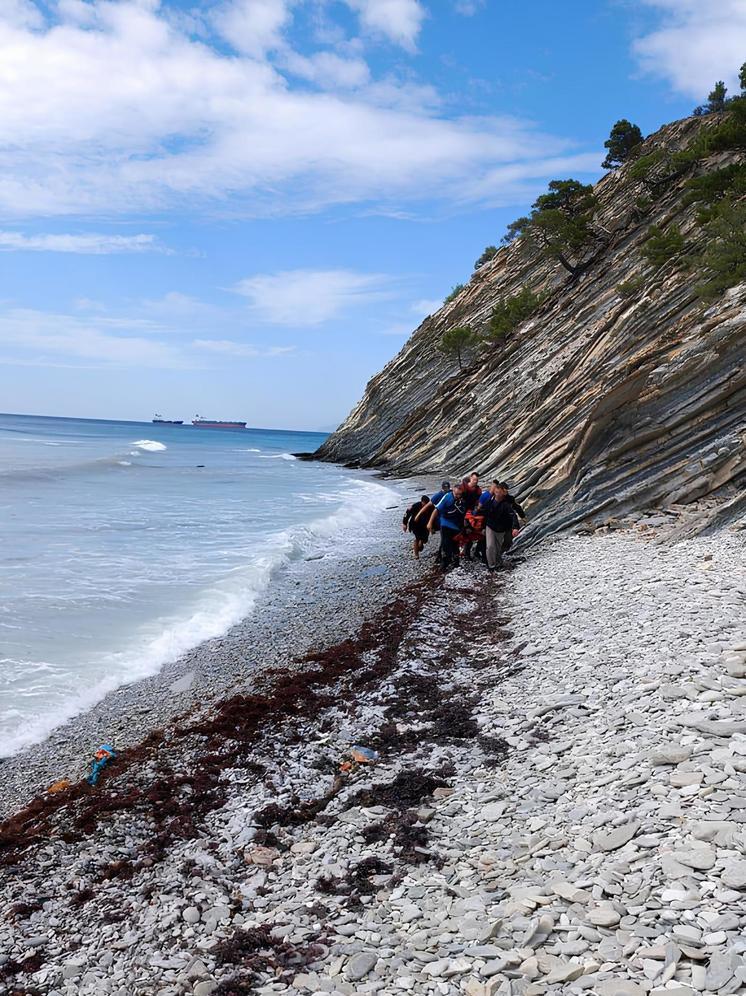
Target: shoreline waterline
<point>310,604</point>
<point>123,550</point>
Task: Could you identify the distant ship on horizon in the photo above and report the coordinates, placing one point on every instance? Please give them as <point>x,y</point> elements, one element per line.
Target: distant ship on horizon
<point>208,423</point>
<point>160,420</point>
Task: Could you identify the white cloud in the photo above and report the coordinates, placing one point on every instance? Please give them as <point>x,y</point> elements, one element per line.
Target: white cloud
<point>695,44</point>
<point>328,70</point>
<point>310,297</point>
<point>425,307</point>
<point>227,347</point>
<point>49,336</point>
<point>88,243</point>
<point>253,26</point>
<point>514,183</point>
<point>90,338</point>
<point>21,14</point>
<point>116,108</point>
<point>468,7</point>
<point>398,20</point>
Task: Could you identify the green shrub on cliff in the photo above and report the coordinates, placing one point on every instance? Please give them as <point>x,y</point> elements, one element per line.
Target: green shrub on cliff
<point>630,288</point>
<point>721,195</point>
<point>711,188</point>
<point>643,167</point>
<point>559,225</point>
<point>662,244</point>
<point>489,253</point>
<point>624,138</point>
<point>724,259</point>
<point>510,312</point>
<point>457,341</point>
<point>454,293</point>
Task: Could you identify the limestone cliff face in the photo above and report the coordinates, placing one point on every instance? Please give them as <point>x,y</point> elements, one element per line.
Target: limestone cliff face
<point>598,406</point>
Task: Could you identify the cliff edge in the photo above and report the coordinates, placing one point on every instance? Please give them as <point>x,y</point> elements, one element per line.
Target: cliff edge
<point>605,402</point>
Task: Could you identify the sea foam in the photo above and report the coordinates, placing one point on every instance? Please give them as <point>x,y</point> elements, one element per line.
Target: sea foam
<point>151,445</point>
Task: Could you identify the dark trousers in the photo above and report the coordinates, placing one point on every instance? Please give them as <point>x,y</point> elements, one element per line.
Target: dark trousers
<point>449,552</point>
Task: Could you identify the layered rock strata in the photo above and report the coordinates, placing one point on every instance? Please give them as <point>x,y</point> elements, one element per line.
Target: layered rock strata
<point>599,405</point>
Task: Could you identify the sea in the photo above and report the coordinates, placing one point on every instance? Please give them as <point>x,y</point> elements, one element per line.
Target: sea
<point>125,544</point>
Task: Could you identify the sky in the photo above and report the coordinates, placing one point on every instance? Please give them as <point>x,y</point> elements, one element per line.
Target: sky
<point>243,208</point>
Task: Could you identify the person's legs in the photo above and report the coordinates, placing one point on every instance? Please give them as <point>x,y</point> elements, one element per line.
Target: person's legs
<point>416,548</point>
<point>494,548</point>
<point>449,549</point>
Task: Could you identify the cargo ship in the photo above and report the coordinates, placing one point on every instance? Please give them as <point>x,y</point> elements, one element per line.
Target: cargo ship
<point>208,423</point>
<point>160,420</point>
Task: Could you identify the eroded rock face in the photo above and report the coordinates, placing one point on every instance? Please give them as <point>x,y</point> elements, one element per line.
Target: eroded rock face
<point>599,405</point>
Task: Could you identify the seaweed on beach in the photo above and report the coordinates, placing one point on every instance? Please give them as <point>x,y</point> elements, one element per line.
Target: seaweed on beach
<point>11,968</point>
<point>22,910</point>
<point>493,745</point>
<point>453,721</point>
<point>408,838</point>
<point>256,951</point>
<point>407,790</point>
<point>216,742</point>
<point>81,896</point>
<point>357,882</point>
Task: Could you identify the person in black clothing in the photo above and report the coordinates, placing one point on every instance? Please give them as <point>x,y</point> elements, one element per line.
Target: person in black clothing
<point>419,529</point>
<point>500,521</point>
<point>518,509</point>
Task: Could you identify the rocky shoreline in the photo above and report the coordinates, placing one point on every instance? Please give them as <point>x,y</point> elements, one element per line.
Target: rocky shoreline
<point>558,805</point>
<point>310,603</point>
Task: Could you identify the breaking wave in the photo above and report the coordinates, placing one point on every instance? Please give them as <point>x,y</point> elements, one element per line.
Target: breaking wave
<point>150,445</point>
<point>209,615</point>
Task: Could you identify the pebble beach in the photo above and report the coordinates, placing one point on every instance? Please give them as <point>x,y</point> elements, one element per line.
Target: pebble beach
<point>311,603</point>
<point>558,804</point>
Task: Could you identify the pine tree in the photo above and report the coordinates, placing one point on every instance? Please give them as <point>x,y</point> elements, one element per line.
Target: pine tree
<point>559,225</point>
<point>716,98</point>
<point>625,137</point>
<point>456,341</point>
<point>489,253</point>
<point>742,79</point>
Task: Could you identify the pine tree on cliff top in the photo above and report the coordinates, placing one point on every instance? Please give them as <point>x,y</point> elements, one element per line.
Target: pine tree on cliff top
<point>625,137</point>
<point>716,99</point>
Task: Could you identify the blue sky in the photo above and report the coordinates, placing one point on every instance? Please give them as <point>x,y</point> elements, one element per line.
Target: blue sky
<point>243,208</point>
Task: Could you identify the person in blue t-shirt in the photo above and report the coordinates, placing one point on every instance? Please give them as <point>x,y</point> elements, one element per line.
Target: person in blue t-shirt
<point>426,510</point>
<point>451,510</point>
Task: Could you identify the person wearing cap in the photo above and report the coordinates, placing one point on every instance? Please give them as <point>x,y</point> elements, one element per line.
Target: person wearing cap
<point>426,510</point>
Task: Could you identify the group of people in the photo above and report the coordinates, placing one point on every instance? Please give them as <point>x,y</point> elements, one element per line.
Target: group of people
<point>472,522</point>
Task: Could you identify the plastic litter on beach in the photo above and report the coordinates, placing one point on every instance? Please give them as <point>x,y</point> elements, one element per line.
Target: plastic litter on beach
<point>356,757</point>
<point>103,756</point>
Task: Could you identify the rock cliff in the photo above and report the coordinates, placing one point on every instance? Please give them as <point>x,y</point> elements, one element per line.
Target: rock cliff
<point>600,406</point>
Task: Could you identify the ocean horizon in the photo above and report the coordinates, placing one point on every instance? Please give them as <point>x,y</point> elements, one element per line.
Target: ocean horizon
<point>124,544</point>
